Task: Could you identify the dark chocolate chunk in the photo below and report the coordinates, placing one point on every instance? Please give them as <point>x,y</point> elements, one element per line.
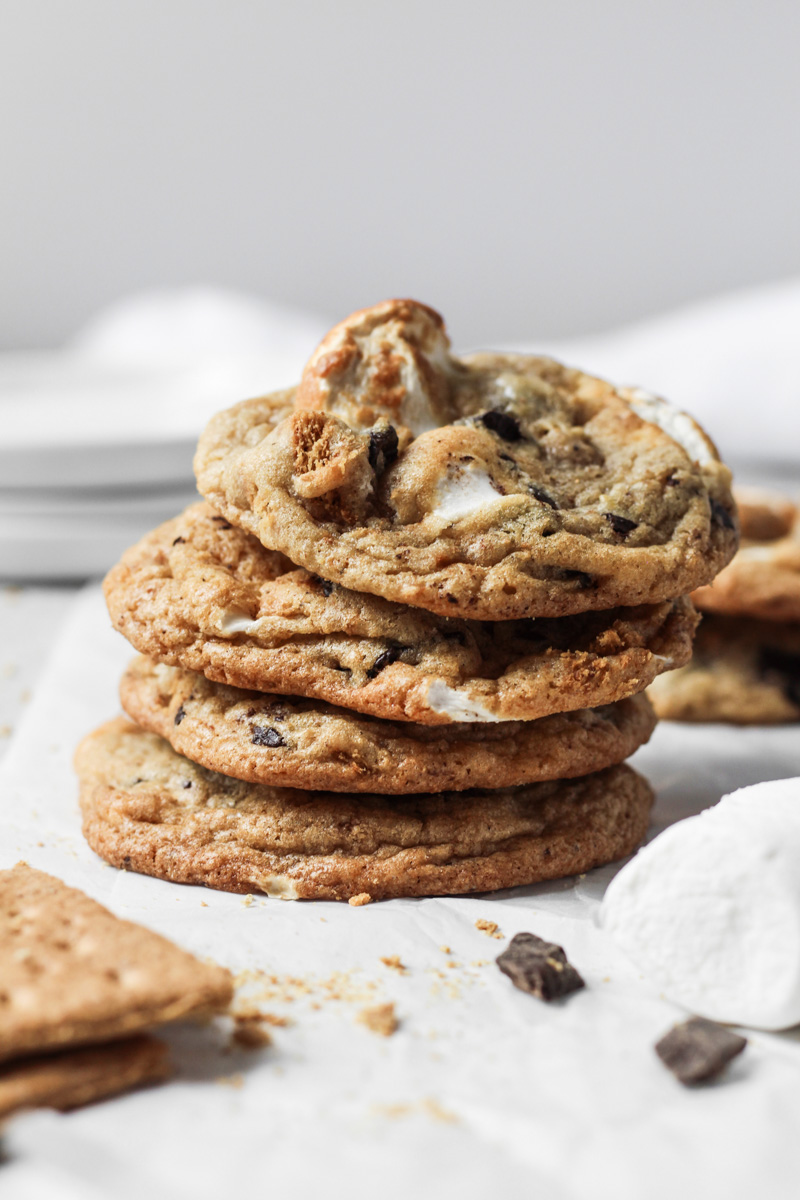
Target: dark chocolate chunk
<point>539,967</point>
<point>179,541</point>
<point>266,736</point>
<point>504,424</point>
<point>721,515</point>
<point>382,448</point>
<point>325,584</point>
<point>223,524</point>
<point>383,660</point>
<point>179,715</point>
<point>622,526</point>
<point>542,496</point>
<point>187,783</point>
<point>785,664</point>
<point>699,1050</point>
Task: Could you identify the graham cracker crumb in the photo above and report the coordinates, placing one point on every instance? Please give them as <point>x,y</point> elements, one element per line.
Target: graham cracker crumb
<point>490,928</point>
<point>359,900</point>
<point>379,1019</point>
<point>394,963</point>
<point>251,1034</point>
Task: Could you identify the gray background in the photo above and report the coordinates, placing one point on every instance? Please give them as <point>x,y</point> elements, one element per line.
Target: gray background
<point>533,169</point>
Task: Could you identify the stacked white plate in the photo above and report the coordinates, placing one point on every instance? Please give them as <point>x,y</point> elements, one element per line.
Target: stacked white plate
<point>97,440</point>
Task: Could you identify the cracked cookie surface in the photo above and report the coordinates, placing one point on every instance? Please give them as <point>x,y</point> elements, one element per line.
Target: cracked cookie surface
<point>496,486</point>
<point>200,593</point>
<point>139,813</point>
<point>307,744</point>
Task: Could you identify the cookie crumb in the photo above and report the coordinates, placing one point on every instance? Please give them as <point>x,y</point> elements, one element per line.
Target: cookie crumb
<point>233,1081</point>
<point>247,901</point>
<point>490,928</point>
<point>394,962</point>
<point>380,1019</point>
<point>445,950</point>
<point>5,731</point>
<point>360,899</point>
<point>250,1034</point>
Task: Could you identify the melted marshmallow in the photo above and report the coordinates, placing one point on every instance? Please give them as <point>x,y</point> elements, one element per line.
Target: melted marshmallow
<point>710,910</point>
<point>454,704</point>
<point>462,494</point>
<point>233,621</point>
<point>679,425</point>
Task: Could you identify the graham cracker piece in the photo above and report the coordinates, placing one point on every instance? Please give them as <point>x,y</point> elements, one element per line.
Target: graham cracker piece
<point>72,973</point>
<point>76,1077</point>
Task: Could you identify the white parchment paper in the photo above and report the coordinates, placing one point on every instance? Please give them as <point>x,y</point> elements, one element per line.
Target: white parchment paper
<point>483,1090</point>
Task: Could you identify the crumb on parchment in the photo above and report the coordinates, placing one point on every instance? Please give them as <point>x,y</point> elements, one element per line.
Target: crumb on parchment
<point>359,900</point>
<point>490,928</point>
<point>380,1019</point>
<point>393,961</point>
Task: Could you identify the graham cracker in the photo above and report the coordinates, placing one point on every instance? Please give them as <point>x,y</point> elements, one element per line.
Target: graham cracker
<point>72,973</point>
<point>76,1077</point>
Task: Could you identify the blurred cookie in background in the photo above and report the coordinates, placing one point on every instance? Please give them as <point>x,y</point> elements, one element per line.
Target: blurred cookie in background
<point>746,664</point>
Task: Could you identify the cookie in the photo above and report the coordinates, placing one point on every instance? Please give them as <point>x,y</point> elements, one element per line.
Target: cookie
<point>744,672</point>
<point>77,1077</point>
<point>145,808</point>
<point>72,973</point>
<point>495,487</point>
<point>202,594</point>
<point>308,744</point>
<point>764,578</point>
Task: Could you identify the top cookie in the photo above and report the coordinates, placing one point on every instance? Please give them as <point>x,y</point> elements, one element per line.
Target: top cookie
<point>494,487</point>
<point>764,578</point>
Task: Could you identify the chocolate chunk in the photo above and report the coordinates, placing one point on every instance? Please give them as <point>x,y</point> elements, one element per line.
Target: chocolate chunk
<point>721,515</point>
<point>542,496</point>
<point>698,1050</point>
<point>223,524</point>
<point>621,525</point>
<point>454,635</point>
<point>504,424</point>
<point>179,715</point>
<point>179,541</point>
<point>539,967</point>
<point>383,660</point>
<point>187,783</point>
<point>786,665</point>
<point>671,480</point>
<point>382,448</point>
<point>266,736</point>
<point>324,584</point>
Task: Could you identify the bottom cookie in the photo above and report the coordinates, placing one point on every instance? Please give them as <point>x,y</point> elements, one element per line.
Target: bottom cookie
<point>146,808</point>
<point>743,672</point>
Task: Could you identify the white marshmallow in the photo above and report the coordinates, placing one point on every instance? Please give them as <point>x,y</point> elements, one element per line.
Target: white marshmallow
<point>710,910</point>
<point>679,425</point>
<point>463,493</point>
<point>456,705</point>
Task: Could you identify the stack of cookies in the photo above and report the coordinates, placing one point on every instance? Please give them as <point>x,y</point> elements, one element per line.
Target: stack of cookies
<point>746,664</point>
<point>402,647</point>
